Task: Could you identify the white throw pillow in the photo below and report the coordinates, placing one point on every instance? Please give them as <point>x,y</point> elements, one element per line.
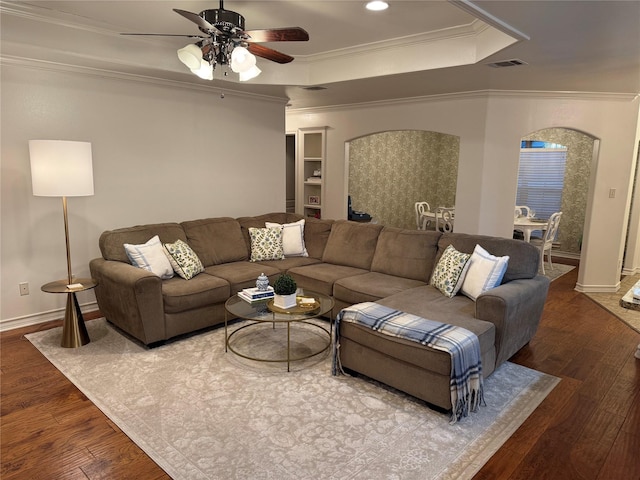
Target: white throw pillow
<point>485,272</point>
<point>151,257</point>
<point>292,238</point>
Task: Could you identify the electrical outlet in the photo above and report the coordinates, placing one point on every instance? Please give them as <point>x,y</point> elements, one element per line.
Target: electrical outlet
<point>24,288</point>
<point>612,193</point>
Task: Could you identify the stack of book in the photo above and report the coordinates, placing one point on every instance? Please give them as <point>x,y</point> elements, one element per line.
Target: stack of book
<point>252,295</point>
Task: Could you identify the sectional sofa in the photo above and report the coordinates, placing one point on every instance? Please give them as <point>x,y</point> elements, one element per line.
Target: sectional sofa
<point>353,262</point>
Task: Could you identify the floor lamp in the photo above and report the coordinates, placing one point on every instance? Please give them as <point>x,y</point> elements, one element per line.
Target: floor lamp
<point>64,169</point>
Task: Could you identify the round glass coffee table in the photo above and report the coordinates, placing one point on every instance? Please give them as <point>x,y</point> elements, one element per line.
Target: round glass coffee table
<point>261,313</point>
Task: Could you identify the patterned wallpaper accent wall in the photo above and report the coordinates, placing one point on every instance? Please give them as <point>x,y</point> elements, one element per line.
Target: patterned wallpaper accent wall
<point>576,182</point>
<point>390,171</point>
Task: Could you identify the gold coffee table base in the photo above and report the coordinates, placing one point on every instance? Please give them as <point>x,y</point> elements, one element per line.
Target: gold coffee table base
<point>288,359</point>
<point>296,318</point>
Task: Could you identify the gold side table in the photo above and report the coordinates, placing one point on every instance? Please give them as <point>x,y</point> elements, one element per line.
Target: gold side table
<point>74,331</point>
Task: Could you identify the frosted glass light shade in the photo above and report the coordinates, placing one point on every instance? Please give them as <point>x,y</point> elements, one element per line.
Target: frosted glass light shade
<point>242,60</point>
<point>253,72</point>
<point>191,56</point>
<point>204,70</point>
<point>61,168</point>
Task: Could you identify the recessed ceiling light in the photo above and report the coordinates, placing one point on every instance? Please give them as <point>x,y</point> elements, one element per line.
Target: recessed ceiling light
<point>377,5</point>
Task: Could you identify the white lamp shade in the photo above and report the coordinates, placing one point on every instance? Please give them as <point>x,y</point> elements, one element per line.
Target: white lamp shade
<point>205,70</point>
<point>61,168</point>
<point>242,60</point>
<point>191,55</point>
<point>253,72</point>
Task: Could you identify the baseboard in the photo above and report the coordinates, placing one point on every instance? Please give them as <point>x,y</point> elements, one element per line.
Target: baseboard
<point>597,288</point>
<point>630,271</point>
<point>43,317</point>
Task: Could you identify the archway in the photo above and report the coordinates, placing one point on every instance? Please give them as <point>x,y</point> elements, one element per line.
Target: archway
<point>389,171</point>
<point>580,152</point>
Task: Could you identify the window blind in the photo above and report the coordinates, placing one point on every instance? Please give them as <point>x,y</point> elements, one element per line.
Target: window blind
<point>541,179</point>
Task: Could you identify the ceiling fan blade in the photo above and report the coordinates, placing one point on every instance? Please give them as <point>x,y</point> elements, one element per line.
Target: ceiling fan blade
<point>198,20</point>
<point>269,53</point>
<point>290,34</point>
<point>165,35</point>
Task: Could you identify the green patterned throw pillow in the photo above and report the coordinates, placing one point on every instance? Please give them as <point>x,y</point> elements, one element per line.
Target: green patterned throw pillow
<point>450,271</point>
<point>266,244</point>
<point>183,259</point>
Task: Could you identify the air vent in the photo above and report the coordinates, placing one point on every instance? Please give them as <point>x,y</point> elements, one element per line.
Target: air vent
<point>314,88</point>
<point>507,63</point>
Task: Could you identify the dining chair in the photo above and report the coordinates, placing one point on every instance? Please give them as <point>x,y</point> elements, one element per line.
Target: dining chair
<point>522,211</point>
<point>421,208</point>
<point>444,219</point>
<point>546,242</point>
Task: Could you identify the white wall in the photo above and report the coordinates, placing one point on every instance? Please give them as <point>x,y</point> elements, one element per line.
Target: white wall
<point>490,126</point>
<point>632,255</point>
<point>348,123</point>
<point>161,153</point>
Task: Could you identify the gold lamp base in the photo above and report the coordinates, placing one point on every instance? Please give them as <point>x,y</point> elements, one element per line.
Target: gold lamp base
<point>74,332</point>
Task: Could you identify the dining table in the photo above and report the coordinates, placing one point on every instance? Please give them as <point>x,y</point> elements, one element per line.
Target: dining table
<point>526,225</point>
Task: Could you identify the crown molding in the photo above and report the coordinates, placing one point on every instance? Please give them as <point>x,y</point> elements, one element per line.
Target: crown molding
<point>216,88</point>
<point>484,94</point>
<point>53,17</point>
<point>477,12</point>
<point>460,31</point>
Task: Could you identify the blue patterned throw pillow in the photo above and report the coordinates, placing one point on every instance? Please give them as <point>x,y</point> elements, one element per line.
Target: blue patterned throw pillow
<point>450,271</point>
<point>266,244</point>
<point>183,259</point>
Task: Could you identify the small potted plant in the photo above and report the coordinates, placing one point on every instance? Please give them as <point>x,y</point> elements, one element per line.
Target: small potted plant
<point>285,291</point>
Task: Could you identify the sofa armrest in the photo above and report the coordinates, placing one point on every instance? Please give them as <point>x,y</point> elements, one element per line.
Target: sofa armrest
<point>130,298</point>
<point>515,308</point>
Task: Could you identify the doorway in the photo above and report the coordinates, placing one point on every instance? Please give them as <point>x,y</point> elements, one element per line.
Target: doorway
<point>574,180</point>
<point>290,173</point>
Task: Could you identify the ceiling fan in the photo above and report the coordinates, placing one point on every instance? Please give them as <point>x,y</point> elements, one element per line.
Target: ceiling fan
<point>224,41</point>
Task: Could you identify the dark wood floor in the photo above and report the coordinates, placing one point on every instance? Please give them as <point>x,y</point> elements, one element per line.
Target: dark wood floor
<point>587,428</point>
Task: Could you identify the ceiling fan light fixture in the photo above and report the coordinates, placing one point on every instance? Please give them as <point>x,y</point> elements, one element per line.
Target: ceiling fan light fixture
<point>253,72</point>
<point>242,60</point>
<point>377,6</point>
<point>204,71</point>
<point>191,56</point>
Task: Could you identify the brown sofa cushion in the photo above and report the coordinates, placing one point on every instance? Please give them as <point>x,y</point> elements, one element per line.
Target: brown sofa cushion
<point>216,240</point>
<point>524,258</point>
<point>352,244</point>
<point>371,287</point>
<point>112,242</point>
<point>321,276</point>
<point>316,235</point>
<point>202,290</point>
<point>427,302</point>
<point>406,253</point>
<point>242,274</point>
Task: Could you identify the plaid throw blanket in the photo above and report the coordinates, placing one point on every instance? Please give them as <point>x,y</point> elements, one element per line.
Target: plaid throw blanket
<point>464,347</point>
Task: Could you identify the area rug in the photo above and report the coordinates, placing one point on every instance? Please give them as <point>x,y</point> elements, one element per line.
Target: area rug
<point>558,270</point>
<point>611,302</point>
<point>201,413</point>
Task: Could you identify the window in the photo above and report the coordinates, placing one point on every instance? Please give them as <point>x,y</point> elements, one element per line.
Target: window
<point>541,177</point>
